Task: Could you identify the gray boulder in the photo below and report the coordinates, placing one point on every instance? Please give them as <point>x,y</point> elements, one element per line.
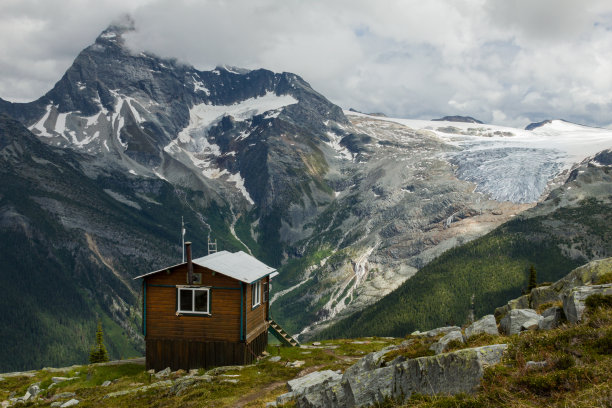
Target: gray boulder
<point>574,302</point>
<point>437,331</point>
<point>551,318</point>
<point>487,324</point>
<point>312,389</point>
<point>34,390</point>
<point>448,373</point>
<point>70,403</point>
<point>299,385</point>
<point>514,322</point>
<point>373,360</point>
<point>441,345</point>
<point>531,324</point>
<point>163,373</point>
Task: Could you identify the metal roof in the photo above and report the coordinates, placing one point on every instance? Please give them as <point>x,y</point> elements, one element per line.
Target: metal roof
<point>237,265</point>
<point>158,271</point>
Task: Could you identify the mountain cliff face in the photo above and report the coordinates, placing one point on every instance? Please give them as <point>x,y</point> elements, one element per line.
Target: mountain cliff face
<point>347,205</point>
<point>570,227</point>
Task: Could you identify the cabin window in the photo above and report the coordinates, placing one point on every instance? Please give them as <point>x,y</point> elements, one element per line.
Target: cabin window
<point>194,300</point>
<point>256,293</point>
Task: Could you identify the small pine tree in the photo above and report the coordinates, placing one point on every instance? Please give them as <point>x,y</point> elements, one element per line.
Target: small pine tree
<point>533,279</point>
<point>98,352</point>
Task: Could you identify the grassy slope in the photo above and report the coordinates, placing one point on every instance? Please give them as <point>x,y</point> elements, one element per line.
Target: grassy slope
<point>576,373</point>
<point>257,384</point>
<point>494,268</point>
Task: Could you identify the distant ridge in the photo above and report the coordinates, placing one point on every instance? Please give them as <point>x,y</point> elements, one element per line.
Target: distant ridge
<point>370,114</point>
<point>536,125</point>
<point>456,118</point>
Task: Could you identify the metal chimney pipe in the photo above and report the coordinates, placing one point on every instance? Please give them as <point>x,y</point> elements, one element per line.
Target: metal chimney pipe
<point>189,263</point>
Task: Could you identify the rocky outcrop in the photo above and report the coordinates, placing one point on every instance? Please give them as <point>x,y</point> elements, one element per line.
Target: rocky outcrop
<point>486,324</point>
<point>574,301</point>
<point>441,345</point>
<point>588,274</point>
<point>368,382</point>
<point>435,332</point>
<point>519,320</point>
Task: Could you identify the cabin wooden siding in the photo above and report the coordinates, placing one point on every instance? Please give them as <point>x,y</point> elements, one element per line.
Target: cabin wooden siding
<point>162,322</point>
<point>256,317</point>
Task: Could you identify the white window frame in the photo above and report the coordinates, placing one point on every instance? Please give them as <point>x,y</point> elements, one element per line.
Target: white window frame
<point>193,291</point>
<point>255,294</point>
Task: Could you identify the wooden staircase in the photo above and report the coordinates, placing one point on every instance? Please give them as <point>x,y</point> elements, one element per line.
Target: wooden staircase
<point>282,335</point>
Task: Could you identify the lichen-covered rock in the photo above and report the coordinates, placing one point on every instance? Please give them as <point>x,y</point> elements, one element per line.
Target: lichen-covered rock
<point>437,331</point>
<point>486,324</point>
<point>441,345</point>
<point>373,360</point>
<point>449,373</point>
<point>312,390</point>
<point>574,302</point>
<point>513,322</point>
<point>298,385</point>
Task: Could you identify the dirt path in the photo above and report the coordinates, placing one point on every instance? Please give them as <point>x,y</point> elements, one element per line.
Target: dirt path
<point>258,394</point>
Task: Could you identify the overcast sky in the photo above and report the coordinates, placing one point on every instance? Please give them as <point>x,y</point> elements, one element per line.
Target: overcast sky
<point>504,62</point>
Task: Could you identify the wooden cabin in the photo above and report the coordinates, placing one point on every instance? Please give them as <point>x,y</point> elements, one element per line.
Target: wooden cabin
<point>209,311</point>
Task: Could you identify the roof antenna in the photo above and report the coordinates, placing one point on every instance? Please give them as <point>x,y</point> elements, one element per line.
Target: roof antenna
<point>212,246</point>
<point>183,237</point>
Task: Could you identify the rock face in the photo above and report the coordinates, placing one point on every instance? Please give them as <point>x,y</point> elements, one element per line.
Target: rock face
<point>574,302</point>
<point>456,118</point>
<point>518,320</point>
<point>367,384</point>
<point>486,324</point>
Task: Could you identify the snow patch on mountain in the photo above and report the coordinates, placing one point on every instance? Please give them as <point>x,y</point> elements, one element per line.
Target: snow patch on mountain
<point>199,86</point>
<point>203,116</point>
<point>334,143</point>
<point>239,182</point>
<point>39,127</point>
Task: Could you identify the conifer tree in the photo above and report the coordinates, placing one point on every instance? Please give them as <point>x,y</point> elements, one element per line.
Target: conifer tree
<point>98,352</point>
<point>533,279</point>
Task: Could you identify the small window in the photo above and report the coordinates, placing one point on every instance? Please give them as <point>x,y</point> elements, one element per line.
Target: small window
<point>193,300</point>
<point>256,293</point>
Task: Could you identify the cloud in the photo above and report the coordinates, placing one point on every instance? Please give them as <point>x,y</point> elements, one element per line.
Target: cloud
<point>506,62</point>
